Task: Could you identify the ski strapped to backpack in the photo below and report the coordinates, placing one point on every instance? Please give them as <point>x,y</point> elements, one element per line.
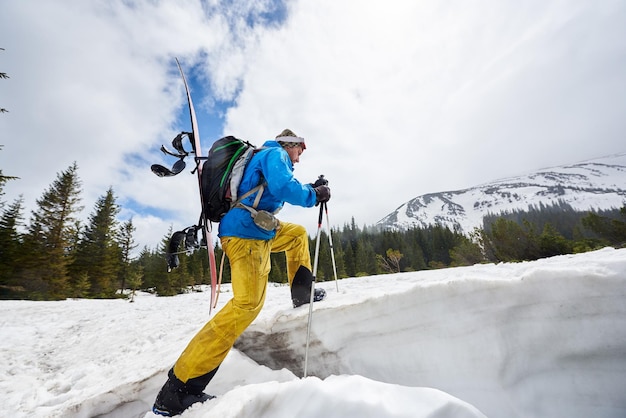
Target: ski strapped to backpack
<point>221,175</point>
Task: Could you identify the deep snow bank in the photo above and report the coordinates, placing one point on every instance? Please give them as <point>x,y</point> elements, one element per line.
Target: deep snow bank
<point>544,338</point>
<point>336,396</point>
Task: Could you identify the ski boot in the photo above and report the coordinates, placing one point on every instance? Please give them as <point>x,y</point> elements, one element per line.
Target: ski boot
<point>174,398</point>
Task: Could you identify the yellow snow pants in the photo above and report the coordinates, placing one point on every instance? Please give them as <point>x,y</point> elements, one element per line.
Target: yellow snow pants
<point>250,266</point>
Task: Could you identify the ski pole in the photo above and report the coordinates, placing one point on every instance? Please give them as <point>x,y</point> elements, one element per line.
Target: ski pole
<point>330,243</point>
<point>317,253</point>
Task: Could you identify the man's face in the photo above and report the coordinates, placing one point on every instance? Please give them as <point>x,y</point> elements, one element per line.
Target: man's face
<point>294,153</point>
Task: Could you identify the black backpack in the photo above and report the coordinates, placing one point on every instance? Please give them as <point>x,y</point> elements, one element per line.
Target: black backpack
<point>221,175</point>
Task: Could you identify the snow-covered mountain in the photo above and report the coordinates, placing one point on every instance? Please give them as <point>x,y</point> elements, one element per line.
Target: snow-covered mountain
<point>594,184</point>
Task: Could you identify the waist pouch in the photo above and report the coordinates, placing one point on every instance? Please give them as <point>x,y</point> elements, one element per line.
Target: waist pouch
<point>265,220</point>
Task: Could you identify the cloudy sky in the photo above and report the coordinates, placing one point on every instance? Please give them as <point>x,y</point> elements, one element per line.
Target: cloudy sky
<point>395,99</point>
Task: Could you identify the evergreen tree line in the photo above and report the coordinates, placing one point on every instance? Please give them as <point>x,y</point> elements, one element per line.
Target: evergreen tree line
<point>523,235</point>
<point>59,257</point>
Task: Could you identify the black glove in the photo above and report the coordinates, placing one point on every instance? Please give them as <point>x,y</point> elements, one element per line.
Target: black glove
<point>321,181</point>
<point>322,194</point>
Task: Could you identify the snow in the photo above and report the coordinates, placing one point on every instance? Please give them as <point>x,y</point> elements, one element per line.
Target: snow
<point>542,339</point>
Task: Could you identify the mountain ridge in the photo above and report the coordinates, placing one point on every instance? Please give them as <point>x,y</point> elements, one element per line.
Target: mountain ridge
<point>594,184</point>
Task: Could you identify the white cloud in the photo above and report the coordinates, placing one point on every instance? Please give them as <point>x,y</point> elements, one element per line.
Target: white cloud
<point>422,97</point>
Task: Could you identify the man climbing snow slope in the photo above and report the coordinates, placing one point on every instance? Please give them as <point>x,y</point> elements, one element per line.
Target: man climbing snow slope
<point>248,242</point>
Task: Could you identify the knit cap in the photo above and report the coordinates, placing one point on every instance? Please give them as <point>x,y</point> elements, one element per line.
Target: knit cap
<point>289,138</point>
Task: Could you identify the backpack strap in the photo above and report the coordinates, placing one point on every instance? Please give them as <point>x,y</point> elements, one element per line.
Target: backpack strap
<point>257,199</point>
<point>258,188</point>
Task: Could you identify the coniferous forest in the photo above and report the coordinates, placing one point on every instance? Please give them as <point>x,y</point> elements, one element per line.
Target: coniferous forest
<point>53,255</point>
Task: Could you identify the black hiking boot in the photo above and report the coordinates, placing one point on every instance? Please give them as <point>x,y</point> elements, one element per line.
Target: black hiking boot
<point>301,288</point>
<point>318,295</point>
<point>174,398</point>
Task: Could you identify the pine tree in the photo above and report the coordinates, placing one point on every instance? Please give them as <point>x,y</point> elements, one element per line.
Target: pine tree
<point>414,254</point>
<point>164,282</point>
<point>349,260</point>
<point>365,258</point>
<point>179,278</point>
<point>98,253</point>
<point>324,263</point>
<point>443,240</point>
<point>466,253</point>
<point>81,285</point>
<point>10,248</point>
<point>51,231</point>
<point>126,243</point>
<point>3,180</point>
<point>552,243</point>
<point>134,279</point>
<point>339,255</point>
<point>151,267</point>
<point>612,231</point>
<point>510,241</point>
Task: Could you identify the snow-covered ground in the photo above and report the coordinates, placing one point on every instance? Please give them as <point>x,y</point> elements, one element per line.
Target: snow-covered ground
<point>535,339</point>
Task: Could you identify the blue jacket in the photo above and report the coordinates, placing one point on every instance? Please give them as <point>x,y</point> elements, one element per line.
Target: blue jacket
<point>273,163</point>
